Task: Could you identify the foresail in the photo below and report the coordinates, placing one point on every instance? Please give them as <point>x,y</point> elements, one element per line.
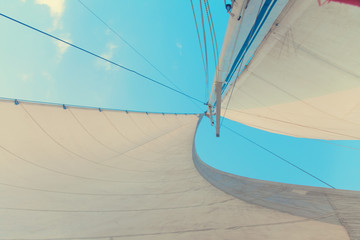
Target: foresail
<point>304,79</point>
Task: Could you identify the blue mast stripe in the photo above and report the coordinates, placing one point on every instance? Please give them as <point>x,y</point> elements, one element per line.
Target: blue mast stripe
<point>263,15</point>
<point>251,35</point>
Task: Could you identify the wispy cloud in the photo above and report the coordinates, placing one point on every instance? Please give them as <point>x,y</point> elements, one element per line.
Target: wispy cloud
<point>108,54</point>
<point>47,76</point>
<point>110,48</point>
<point>25,77</point>
<point>179,46</point>
<point>107,31</point>
<point>62,47</point>
<point>56,8</point>
<point>50,84</point>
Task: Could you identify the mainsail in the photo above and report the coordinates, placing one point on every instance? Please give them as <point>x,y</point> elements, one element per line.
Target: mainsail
<point>304,78</point>
<point>78,173</point>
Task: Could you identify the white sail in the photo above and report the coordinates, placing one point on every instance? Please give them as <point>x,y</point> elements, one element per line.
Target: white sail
<point>81,173</point>
<point>304,79</point>
<point>84,174</point>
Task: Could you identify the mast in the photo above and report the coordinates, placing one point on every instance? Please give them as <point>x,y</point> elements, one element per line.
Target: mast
<point>237,9</point>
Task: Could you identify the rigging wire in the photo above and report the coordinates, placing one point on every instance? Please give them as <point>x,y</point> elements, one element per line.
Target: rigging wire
<point>198,35</point>
<point>102,58</point>
<point>217,67</point>
<point>336,144</point>
<point>216,44</point>
<point>278,156</point>
<point>242,60</point>
<point>232,90</point>
<point>213,31</point>
<point>232,51</point>
<point>231,56</point>
<point>131,46</point>
<point>205,49</point>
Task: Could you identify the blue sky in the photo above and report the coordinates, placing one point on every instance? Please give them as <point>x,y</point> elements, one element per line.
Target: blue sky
<point>36,67</point>
<point>39,68</point>
<point>334,162</point>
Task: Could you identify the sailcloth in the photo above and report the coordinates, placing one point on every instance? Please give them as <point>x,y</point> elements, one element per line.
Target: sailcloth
<point>304,78</point>
<point>79,173</point>
<point>86,173</point>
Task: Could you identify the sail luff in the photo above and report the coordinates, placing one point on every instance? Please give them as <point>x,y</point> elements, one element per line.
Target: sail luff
<point>304,79</point>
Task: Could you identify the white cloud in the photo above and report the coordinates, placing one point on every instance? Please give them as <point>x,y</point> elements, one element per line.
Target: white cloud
<point>25,77</point>
<point>56,8</point>
<point>62,47</point>
<point>23,1</point>
<point>47,76</point>
<point>108,54</point>
<point>179,46</point>
<point>110,48</point>
<point>50,84</point>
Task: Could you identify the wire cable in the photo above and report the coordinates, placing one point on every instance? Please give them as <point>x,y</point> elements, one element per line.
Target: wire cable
<point>198,35</point>
<point>213,39</point>
<point>212,32</point>
<point>212,24</point>
<point>241,63</point>
<point>233,49</point>
<point>205,49</point>
<point>214,42</point>
<point>131,46</point>
<point>278,156</point>
<point>232,90</point>
<point>102,58</point>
